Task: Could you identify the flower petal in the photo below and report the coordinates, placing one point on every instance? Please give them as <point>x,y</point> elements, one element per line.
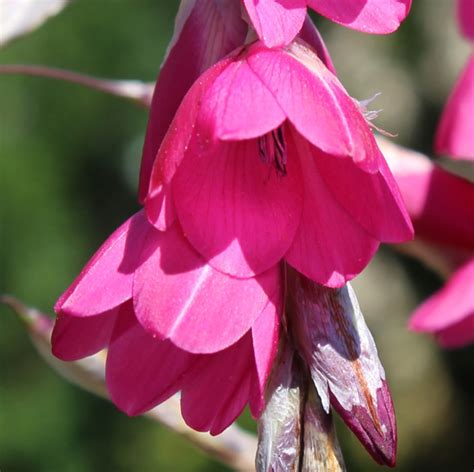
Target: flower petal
<point>310,34</point>
<point>106,280</point>
<point>437,200</point>
<point>159,206</point>
<point>454,136</point>
<point>217,389</point>
<point>178,296</point>
<point>238,105</point>
<point>466,18</point>
<point>329,247</point>
<point>372,199</point>
<point>341,354</point>
<point>235,209</point>
<point>369,16</point>
<point>450,305</point>
<point>76,337</point>
<point>205,31</point>
<point>265,344</point>
<point>315,102</point>
<point>142,371</point>
<point>276,22</point>
<point>457,335</point>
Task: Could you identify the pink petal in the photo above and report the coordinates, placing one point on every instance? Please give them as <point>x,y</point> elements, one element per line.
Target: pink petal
<point>369,16</point>
<point>455,133</point>
<point>457,335</point>
<point>265,344</point>
<point>310,34</point>
<point>235,209</point>
<point>159,206</point>
<point>276,22</point>
<point>179,297</point>
<point>205,31</point>
<point>342,357</point>
<point>217,389</point>
<point>74,338</point>
<point>330,247</point>
<point>315,102</point>
<point>142,371</point>
<point>106,280</point>
<point>372,199</point>
<point>466,18</point>
<point>452,304</point>
<point>238,105</point>
<point>436,201</point>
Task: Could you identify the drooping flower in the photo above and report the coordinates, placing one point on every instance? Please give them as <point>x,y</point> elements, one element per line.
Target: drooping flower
<point>441,208</point>
<point>277,22</point>
<point>455,133</point>
<point>268,158</point>
<point>217,334</point>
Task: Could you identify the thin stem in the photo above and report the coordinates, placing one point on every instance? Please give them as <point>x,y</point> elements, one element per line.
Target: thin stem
<point>134,90</point>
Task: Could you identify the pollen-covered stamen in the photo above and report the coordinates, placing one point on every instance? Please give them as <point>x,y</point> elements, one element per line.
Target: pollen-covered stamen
<point>272,150</point>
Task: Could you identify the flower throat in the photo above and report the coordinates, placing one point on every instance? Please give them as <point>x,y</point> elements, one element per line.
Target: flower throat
<point>272,150</point>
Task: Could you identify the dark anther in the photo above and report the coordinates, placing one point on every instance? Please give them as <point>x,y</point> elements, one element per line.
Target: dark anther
<point>272,149</point>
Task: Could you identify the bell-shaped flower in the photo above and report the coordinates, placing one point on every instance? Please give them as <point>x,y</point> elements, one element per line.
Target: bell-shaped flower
<point>277,22</point>
<point>455,133</point>
<point>333,339</point>
<point>440,205</point>
<point>268,158</point>
<point>213,337</point>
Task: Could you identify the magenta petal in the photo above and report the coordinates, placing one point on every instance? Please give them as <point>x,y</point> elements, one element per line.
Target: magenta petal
<point>310,34</point>
<point>217,389</point>
<point>74,338</point>
<point>265,344</point>
<point>106,280</point>
<point>436,200</point>
<point>142,371</point>
<point>276,22</point>
<point>372,199</point>
<point>159,206</point>
<point>466,18</point>
<point>238,105</point>
<point>450,306</point>
<point>329,247</point>
<point>205,31</point>
<point>369,16</point>
<point>455,135</point>
<point>179,297</point>
<point>341,354</point>
<point>457,335</point>
<point>235,209</point>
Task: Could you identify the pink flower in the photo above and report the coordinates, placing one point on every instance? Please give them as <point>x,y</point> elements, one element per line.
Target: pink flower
<point>440,205</point>
<point>455,133</point>
<point>277,22</point>
<point>159,309</point>
<point>269,159</point>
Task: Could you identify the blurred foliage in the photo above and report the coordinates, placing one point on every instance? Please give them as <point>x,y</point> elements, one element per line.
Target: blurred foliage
<point>69,160</point>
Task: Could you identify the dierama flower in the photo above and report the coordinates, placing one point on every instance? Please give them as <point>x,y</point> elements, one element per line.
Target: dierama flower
<point>440,205</point>
<point>455,133</point>
<point>277,22</point>
<point>267,159</point>
<point>218,336</point>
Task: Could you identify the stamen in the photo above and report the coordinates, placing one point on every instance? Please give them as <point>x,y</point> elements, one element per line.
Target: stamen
<point>272,150</point>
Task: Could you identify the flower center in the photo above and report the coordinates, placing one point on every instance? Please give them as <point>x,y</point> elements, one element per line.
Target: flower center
<point>272,150</point>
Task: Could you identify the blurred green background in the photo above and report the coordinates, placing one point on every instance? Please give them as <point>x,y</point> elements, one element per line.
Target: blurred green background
<point>69,161</point>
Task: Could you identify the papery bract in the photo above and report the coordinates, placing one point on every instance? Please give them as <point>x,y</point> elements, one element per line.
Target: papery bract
<point>268,158</point>
<point>340,352</point>
<point>277,22</point>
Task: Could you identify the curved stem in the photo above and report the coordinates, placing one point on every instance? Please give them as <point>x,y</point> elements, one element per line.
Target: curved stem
<point>134,90</point>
